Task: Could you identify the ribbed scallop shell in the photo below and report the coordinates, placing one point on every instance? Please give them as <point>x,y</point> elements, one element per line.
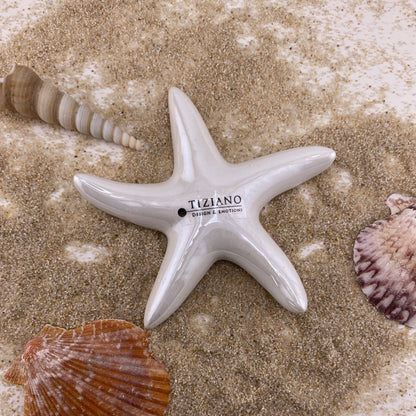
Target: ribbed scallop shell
<point>25,92</point>
<point>385,261</point>
<point>103,368</point>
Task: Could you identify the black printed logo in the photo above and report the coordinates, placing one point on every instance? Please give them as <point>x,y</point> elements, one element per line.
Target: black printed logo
<point>229,204</point>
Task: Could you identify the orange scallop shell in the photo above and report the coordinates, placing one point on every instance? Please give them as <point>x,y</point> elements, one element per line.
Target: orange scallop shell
<point>103,368</point>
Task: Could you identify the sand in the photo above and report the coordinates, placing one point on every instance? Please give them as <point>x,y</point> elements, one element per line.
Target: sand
<point>230,348</point>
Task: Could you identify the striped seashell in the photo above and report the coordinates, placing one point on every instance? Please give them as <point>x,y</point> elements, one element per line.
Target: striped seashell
<point>25,92</point>
<point>103,368</point>
<point>385,261</point>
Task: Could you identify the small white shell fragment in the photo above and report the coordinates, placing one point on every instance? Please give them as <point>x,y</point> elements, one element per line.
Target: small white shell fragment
<point>86,253</point>
<point>308,249</point>
<point>201,322</point>
<point>8,208</point>
<point>343,180</point>
<point>56,196</point>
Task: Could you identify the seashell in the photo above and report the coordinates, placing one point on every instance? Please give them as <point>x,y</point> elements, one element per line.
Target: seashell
<point>385,261</point>
<point>25,92</point>
<point>103,368</point>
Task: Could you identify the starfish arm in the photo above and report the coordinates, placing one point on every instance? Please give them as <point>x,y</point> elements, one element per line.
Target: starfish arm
<point>257,253</point>
<point>148,205</point>
<point>187,259</point>
<point>209,210</point>
<point>195,153</point>
<point>265,177</point>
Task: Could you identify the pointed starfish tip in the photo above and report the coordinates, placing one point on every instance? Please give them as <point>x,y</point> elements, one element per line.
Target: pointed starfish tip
<point>151,320</point>
<point>331,155</point>
<point>301,305</point>
<point>84,182</point>
<point>174,90</point>
<point>323,153</point>
<point>180,102</point>
<point>175,93</point>
<point>79,180</point>
<point>293,297</point>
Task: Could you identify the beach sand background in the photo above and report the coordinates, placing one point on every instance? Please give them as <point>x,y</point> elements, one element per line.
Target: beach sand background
<point>266,76</point>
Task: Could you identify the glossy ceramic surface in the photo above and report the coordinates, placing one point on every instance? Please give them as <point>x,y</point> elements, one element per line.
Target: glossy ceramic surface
<point>209,210</point>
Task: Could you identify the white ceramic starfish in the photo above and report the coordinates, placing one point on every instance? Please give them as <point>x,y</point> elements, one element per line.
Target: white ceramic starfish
<point>209,210</point>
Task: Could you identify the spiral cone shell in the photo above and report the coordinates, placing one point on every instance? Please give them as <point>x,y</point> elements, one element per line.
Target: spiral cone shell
<point>25,92</point>
<point>103,368</point>
<point>385,261</point>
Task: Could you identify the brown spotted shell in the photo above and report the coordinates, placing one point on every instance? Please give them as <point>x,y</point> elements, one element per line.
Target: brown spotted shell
<point>23,91</point>
<point>385,261</point>
<point>103,368</point>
